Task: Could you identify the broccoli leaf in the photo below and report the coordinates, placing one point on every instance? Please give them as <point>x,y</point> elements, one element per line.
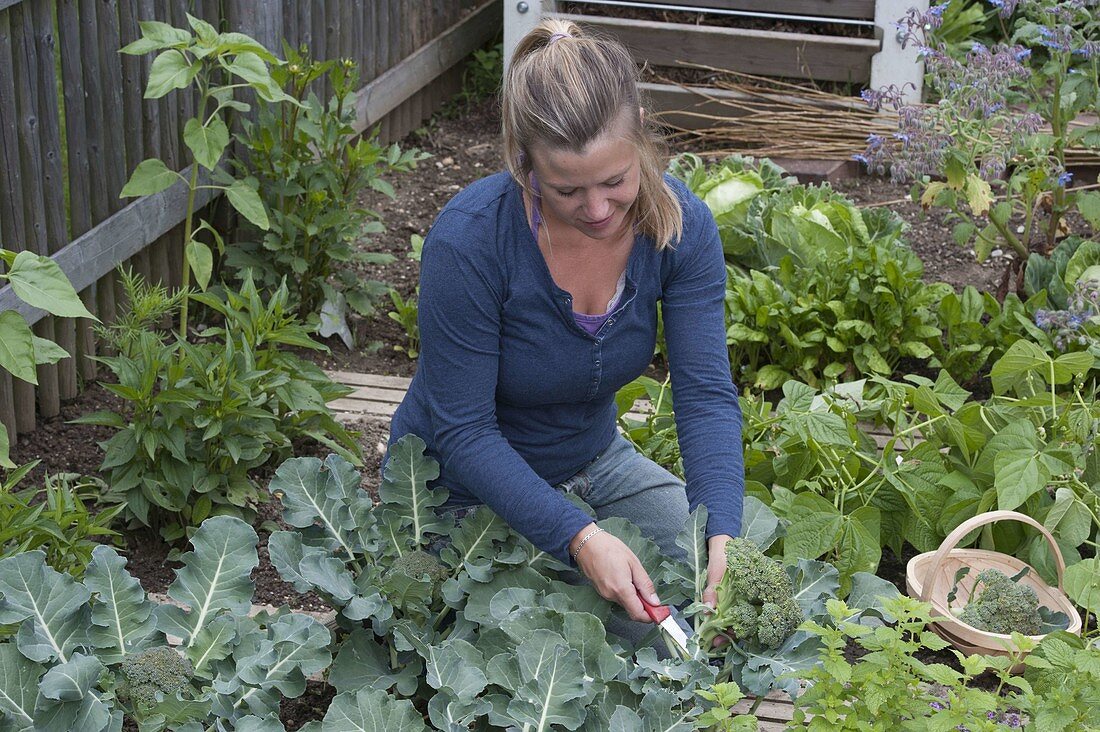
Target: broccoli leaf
<point>404,489</point>
<point>18,688</point>
<point>52,607</point>
<point>216,576</point>
<point>122,617</point>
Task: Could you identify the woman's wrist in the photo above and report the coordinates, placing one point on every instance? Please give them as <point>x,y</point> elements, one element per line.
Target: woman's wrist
<point>580,537</point>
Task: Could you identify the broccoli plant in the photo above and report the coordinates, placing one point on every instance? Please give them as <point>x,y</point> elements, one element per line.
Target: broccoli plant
<point>755,600</point>
<point>1002,605</point>
<point>767,650</point>
<point>465,618</point>
<point>89,654</point>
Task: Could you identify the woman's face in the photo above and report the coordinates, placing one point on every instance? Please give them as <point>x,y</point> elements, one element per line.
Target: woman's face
<point>592,190</point>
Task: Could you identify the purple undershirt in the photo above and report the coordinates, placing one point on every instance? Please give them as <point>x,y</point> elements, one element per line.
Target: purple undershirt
<point>589,323</point>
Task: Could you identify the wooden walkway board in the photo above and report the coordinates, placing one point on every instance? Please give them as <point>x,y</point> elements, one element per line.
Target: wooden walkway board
<point>374,396</point>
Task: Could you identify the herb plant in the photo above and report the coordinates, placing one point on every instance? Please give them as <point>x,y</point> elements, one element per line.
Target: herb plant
<point>405,313</point>
<point>54,519</point>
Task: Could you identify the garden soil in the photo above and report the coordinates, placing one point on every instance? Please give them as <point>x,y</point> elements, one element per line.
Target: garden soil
<point>463,146</point>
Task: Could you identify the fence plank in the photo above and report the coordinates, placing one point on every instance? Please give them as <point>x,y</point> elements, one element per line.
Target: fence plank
<point>91,256</point>
<point>32,237</point>
<point>97,135</point>
<point>772,53</point>
<point>58,380</point>
<point>305,26</point>
<point>383,94</point>
<point>11,209</point>
<point>133,86</point>
<point>79,179</point>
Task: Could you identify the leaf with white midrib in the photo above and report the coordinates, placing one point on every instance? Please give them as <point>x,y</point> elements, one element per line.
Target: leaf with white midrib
<point>18,686</point>
<point>53,602</point>
<point>298,643</point>
<point>553,680</point>
<point>216,576</point>
<point>312,492</point>
<point>122,616</point>
<point>405,491</point>
<point>372,710</point>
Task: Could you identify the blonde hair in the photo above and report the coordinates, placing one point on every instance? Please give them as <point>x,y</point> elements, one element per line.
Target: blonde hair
<point>563,89</point>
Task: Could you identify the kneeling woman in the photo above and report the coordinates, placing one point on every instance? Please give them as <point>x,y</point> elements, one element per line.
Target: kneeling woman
<point>539,289</point>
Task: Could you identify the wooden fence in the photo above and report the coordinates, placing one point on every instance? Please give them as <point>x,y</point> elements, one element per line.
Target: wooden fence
<point>74,124</point>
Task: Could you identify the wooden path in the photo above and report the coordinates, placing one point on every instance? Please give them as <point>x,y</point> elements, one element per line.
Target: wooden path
<point>377,397</point>
<point>374,397</point>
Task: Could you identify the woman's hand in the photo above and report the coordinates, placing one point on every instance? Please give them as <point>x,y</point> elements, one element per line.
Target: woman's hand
<point>716,567</point>
<point>615,572</point>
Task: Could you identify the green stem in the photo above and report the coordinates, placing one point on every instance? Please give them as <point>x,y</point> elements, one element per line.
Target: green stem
<point>1057,128</point>
<point>188,223</point>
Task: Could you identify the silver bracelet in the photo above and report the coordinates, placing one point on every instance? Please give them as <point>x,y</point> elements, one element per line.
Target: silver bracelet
<point>584,541</point>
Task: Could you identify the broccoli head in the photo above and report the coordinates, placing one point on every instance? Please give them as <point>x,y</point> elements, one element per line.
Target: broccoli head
<point>755,600</point>
<point>1003,605</point>
<point>412,583</point>
<point>156,670</point>
<point>416,564</point>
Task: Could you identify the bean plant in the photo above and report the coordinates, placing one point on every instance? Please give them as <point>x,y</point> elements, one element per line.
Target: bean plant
<point>39,282</point>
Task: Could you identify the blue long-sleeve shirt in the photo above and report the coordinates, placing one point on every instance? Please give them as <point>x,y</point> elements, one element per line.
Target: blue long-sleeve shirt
<point>512,396</point>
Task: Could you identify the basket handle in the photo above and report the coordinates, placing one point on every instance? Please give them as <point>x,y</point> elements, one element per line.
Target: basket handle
<point>969,525</point>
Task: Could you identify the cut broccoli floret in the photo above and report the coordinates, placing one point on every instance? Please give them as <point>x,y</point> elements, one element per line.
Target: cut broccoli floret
<point>157,670</point>
<point>1003,606</point>
<point>755,600</point>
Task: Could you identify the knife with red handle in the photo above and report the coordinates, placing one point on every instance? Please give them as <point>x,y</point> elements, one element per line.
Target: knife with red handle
<point>666,618</point>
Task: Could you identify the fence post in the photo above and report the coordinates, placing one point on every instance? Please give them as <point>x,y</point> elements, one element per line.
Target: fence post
<point>894,64</point>
<point>520,16</point>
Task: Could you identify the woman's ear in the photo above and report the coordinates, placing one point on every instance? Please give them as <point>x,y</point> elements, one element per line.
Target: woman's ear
<point>641,115</point>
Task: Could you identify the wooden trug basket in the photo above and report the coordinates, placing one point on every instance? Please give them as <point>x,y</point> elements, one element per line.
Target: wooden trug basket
<point>929,578</point>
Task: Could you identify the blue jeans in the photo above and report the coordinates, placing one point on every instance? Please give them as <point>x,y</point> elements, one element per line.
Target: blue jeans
<point>620,481</point>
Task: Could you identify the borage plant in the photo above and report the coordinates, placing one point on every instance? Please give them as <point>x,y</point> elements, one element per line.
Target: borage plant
<point>992,150</point>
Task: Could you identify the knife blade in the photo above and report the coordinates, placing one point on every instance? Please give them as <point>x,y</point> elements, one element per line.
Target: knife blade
<point>670,623</point>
